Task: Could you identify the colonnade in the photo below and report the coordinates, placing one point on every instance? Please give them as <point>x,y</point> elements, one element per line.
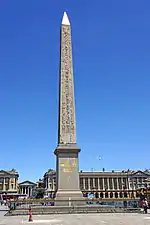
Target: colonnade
<point>8,184</point>
<point>26,190</point>
<point>103,183</point>
<point>110,183</point>
<point>50,184</point>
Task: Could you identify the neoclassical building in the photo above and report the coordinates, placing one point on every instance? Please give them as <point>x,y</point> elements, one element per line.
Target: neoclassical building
<point>27,188</point>
<point>122,184</point>
<point>9,182</point>
<point>30,189</point>
<point>50,182</point>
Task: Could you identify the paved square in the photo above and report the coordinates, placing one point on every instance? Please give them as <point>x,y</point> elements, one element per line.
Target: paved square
<point>79,219</point>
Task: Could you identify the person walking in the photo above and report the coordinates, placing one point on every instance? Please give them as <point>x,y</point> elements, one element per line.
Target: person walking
<point>145,205</point>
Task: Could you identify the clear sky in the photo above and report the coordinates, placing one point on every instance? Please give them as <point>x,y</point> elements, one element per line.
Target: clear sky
<point>111,52</point>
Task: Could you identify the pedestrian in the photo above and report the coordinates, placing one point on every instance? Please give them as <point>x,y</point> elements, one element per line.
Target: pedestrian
<point>145,205</point>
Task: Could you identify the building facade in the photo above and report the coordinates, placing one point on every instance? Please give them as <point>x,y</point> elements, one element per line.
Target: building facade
<point>50,182</point>
<point>30,189</point>
<point>123,184</point>
<point>27,188</point>
<point>9,181</point>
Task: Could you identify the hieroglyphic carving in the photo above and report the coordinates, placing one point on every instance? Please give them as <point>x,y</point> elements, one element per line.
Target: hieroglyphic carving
<point>69,165</point>
<point>67,122</point>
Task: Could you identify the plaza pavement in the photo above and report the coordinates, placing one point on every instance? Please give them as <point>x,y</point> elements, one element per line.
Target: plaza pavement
<point>79,219</point>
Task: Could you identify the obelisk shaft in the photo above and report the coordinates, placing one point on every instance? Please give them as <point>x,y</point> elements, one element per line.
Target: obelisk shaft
<point>67,121</point>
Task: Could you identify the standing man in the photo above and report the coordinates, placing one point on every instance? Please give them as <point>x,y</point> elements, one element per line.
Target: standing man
<point>145,205</point>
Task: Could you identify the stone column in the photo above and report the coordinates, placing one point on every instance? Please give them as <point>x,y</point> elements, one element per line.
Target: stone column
<point>15,184</point>
<point>53,188</point>
<point>49,184</point>
<point>9,183</point>
<point>117,184</point>
<point>98,184</point>
<point>113,184</point>
<point>103,194</point>
<point>83,183</point>
<point>121,183</point>
<point>4,187</point>
<point>129,184</point>
<point>108,183</point>
<point>89,188</point>
<point>133,187</point>
<point>134,194</point>
<point>46,185</point>
<point>103,183</point>
<point>93,182</point>
<point>31,190</point>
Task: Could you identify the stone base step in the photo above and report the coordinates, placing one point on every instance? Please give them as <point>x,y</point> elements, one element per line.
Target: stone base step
<point>45,210</point>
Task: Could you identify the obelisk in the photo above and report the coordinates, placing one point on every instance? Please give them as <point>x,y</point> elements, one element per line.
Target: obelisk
<point>67,182</point>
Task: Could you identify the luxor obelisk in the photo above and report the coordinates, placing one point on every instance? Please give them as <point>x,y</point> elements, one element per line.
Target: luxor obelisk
<point>67,170</point>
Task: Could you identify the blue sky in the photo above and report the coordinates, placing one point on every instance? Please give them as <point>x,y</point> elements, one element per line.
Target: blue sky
<point>111,52</point>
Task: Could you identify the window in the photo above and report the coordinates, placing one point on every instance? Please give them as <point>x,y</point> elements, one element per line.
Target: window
<point>116,195</point>
<point>125,195</point>
<point>96,195</point>
<point>101,195</point>
<point>120,195</point>
<point>111,195</point>
<point>106,194</point>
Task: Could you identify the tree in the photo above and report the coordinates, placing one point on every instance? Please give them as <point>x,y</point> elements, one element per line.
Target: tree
<point>40,194</point>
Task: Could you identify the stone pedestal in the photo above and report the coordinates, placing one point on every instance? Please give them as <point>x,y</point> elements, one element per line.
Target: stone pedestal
<point>67,183</point>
